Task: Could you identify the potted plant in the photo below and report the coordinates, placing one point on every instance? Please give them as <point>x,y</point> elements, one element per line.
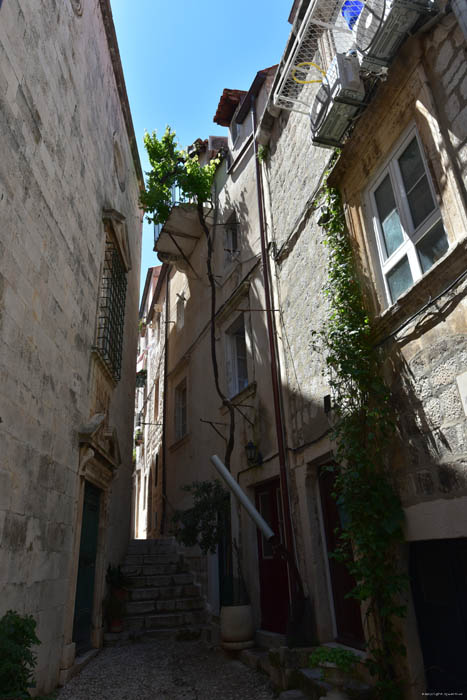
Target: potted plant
<point>236,616</point>
<point>336,665</point>
<point>115,600</point>
<point>206,524</point>
<point>139,439</point>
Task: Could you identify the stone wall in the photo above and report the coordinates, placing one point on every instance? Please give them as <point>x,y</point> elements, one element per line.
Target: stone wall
<point>64,157</point>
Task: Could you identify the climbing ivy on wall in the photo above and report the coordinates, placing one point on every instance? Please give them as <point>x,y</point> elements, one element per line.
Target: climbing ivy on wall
<point>363,429</point>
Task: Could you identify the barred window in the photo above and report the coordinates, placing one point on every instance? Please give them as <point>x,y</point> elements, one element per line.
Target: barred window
<point>111,314</point>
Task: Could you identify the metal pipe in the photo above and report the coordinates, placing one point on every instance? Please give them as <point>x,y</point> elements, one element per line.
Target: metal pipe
<point>289,542</point>
<point>164,406</point>
<point>243,498</point>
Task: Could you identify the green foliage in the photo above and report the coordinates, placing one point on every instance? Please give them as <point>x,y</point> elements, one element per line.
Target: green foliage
<point>205,522</point>
<point>171,167</point>
<point>344,659</point>
<point>17,660</point>
<point>263,153</point>
<point>362,432</point>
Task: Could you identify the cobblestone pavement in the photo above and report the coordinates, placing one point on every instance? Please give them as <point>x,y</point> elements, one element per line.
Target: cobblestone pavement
<point>166,670</point>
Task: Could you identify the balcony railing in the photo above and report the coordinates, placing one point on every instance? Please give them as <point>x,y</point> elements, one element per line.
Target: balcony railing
<point>177,197</point>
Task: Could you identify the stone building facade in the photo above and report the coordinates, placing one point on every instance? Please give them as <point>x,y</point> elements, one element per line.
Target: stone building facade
<point>403,160</point>
<point>149,408</point>
<point>70,255</point>
<point>420,328</point>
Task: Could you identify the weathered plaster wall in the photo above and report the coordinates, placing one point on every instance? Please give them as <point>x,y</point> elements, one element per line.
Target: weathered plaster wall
<point>59,115</point>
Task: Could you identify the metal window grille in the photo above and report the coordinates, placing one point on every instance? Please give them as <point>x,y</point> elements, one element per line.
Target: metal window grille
<point>112,310</point>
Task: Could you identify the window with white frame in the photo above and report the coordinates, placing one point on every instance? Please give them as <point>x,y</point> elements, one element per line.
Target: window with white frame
<point>230,241</point>
<point>180,410</point>
<point>180,312</point>
<point>236,357</point>
<point>409,229</point>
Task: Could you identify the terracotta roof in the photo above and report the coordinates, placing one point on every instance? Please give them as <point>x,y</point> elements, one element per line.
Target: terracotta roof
<point>227,106</point>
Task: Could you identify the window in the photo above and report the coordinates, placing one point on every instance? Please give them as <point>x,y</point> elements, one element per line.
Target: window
<point>236,358</point>
<point>111,312</point>
<point>180,312</point>
<point>180,410</point>
<point>158,329</point>
<point>156,469</point>
<point>156,400</point>
<point>230,241</point>
<point>409,230</point>
<point>234,130</point>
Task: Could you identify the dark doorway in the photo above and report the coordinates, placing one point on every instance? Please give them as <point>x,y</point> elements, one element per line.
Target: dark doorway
<point>347,610</point>
<point>438,570</point>
<point>273,578</point>
<point>86,569</point>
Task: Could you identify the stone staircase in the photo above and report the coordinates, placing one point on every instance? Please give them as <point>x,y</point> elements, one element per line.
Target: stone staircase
<point>164,599</point>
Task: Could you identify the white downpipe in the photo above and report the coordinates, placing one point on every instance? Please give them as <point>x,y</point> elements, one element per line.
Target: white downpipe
<point>242,497</point>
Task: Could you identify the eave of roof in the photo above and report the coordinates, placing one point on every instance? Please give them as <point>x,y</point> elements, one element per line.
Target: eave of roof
<point>255,87</point>
<point>120,81</point>
<point>227,105</point>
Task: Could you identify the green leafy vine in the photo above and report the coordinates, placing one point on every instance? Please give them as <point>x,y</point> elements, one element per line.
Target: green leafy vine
<point>363,429</point>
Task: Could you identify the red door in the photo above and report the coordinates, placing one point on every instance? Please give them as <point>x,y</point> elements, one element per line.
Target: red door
<point>347,610</point>
<point>273,577</point>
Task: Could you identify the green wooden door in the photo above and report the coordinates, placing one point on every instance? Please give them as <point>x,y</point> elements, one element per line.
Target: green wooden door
<point>86,569</point>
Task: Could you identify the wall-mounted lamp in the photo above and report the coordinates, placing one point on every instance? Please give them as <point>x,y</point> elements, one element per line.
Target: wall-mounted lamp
<point>253,455</point>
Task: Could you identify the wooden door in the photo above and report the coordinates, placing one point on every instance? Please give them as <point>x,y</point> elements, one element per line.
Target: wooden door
<point>274,586</point>
<point>347,610</point>
<point>438,571</point>
<point>86,569</point>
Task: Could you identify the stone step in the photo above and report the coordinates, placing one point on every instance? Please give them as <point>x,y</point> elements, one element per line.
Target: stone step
<point>163,600</point>
<point>140,559</point>
<point>165,592</point>
<point>161,546</point>
<point>145,607</point>
<point>141,623</point>
<point>160,580</point>
<point>151,569</point>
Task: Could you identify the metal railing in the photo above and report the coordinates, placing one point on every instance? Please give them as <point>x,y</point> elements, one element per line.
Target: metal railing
<point>176,197</point>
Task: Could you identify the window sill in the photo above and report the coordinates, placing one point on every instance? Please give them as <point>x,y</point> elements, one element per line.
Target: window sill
<point>248,392</point>
<point>178,443</point>
<point>433,283</point>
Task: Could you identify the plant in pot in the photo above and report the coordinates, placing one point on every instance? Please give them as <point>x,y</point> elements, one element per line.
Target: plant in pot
<point>337,666</point>
<point>139,437</point>
<point>236,618</point>
<point>206,523</point>
<point>115,600</point>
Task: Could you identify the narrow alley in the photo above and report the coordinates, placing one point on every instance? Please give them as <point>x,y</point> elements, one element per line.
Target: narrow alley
<point>166,669</point>
<point>233,349</point>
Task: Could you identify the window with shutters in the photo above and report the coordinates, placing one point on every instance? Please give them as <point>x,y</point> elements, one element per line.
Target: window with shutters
<point>236,357</point>
<point>181,428</point>
<point>230,241</point>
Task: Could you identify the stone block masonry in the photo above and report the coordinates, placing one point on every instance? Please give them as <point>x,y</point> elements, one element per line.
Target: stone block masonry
<point>60,117</point>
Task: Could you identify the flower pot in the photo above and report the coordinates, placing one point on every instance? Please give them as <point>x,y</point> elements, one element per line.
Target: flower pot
<point>237,631</point>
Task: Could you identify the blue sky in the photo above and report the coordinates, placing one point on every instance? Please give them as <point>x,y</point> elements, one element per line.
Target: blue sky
<point>178,57</point>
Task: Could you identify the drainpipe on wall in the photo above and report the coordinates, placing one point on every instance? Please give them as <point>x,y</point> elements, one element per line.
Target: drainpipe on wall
<point>164,405</point>
<point>275,372</point>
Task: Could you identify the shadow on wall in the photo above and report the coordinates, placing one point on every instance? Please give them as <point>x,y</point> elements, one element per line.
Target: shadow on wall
<point>430,460</point>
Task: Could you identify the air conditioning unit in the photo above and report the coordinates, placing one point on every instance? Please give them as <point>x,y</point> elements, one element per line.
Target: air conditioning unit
<point>382,25</point>
<point>338,99</point>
